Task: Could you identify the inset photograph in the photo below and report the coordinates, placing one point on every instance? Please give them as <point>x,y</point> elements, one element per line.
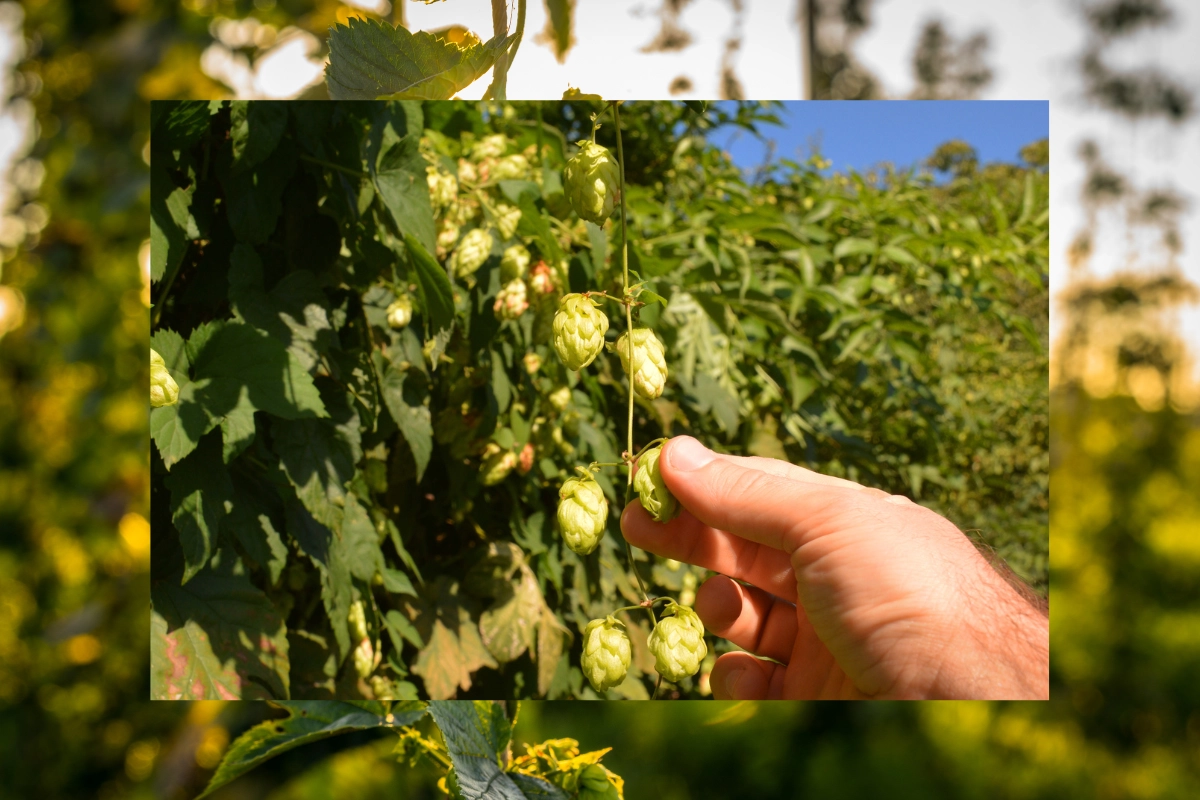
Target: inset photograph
<point>596,400</point>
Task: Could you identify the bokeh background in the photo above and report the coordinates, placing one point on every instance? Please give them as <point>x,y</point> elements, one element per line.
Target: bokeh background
<point>1124,720</point>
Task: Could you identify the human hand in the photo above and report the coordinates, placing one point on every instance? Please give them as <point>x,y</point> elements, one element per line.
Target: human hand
<point>858,593</point>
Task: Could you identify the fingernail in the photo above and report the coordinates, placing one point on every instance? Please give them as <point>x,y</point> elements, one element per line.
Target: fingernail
<point>731,682</point>
<point>687,454</point>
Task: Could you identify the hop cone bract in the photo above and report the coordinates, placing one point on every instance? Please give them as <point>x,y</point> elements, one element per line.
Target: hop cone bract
<point>472,251</point>
<point>606,653</point>
<point>649,367</point>
<point>163,389</point>
<point>677,643</point>
<point>399,313</point>
<point>648,483</point>
<point>591,182</point>
<point>579,328</point>
<point>582,513</point>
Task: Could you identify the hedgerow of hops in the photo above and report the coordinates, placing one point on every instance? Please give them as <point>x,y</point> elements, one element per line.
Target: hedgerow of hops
<point>653,493</point>
<point>606,653</point>
<point>649,366</point>
<point>513,262</point>
<point>677,643</point>
<point>399,313</point>
<point>579,328</point>
<point>472,252</point>
<point>511,302</point>
<point>163,389</point>
<point>497,463</point>
<point>582,513</point>
<point>591,181</point>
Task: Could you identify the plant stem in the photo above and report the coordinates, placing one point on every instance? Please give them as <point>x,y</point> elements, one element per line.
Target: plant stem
<point>331,165</point>
<point>628,328</point>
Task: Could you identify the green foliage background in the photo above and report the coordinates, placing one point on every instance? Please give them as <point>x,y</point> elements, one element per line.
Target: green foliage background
<point>876,326</point>
<point>1124,720</point>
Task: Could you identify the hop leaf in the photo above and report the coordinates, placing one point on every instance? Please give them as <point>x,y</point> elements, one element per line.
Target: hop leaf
<point>163,389</point>
<point>606,653</point>
<point>677,643</point>
<point>472,251</point>
<point>513,262</point>
<point>512,300</point>
<point>579,328</point>
<point>399,313</point>
<point>582,513</point>
<point>654,495</point>
<point>649,365</point>
<point>591,182</point>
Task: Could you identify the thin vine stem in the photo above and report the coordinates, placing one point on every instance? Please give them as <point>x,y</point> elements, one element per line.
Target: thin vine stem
<point>629,331</point>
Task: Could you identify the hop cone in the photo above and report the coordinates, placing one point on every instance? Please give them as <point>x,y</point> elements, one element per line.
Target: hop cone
<point>399,313</point>
<point>507,219</point>
<point>677,643</point>
<point>358,620</point>
<point>364,658</point>
<point>497,463</point>
<point>443,187</point>
<point>510,168</point>
<point>595,784</point>
<point>560,398</point>
<point>582,513</point>
<point>511,302</point>
<point>541,278</point>
<point>472,251</point>
<point>513,262</point>
<point>605,653</point>
<point>649,367</point>
<point>163,389</point>
<point>591,181</point>
<point>579,328</point>
<point>490,147</point>
<point>655,496</point>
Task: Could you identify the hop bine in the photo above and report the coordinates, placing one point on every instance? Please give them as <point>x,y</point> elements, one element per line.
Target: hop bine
<point>579,328</point>
<point>606,653</point>
<point>648,367</point>
<point>582,513</point>
<point>591,181</point>
<point>653,493</point>
<point>163,389</point>
<point>677,643</point>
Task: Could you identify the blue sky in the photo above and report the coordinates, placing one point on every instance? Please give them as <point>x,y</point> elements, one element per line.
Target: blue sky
<point>857,135</point>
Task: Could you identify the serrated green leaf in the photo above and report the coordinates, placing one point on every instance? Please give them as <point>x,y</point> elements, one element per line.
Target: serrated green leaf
<point>319,544</point>
<point>307,722</point>
<point>170,220</point>
<point>215,638</point>
<point>200,487</point>
<point>319,463</point>
<point>398,387</point>
<point>476,734</point>
<point>369,59</point>
<point>254,196</point>
<point>255,129</point>
<point>853,246</point>
<point>437,297</point>
<point>256,524</point>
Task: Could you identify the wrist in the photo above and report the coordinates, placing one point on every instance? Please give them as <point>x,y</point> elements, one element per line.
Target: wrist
<point>1001,646</point>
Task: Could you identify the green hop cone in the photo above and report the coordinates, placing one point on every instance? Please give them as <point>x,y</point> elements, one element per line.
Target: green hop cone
<point>606,653</point>
<point>472,251</point>
<point>513,262</point>
<point>591,181</point>
<point>497,463</point>
<point>507,218</point>
<point>163,389</point>
<point>677,643</point>
<point>656,498</point>
<point>364,658</point>
<point>399,313</point>
<point>649,367</point>
<point>358,620</point>
<point>509,168</point>
<point>579,328</point>
<point>582,513</point>
<point>596,783</point>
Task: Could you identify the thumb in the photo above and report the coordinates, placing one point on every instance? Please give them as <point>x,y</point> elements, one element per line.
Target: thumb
<point>769,509</point>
